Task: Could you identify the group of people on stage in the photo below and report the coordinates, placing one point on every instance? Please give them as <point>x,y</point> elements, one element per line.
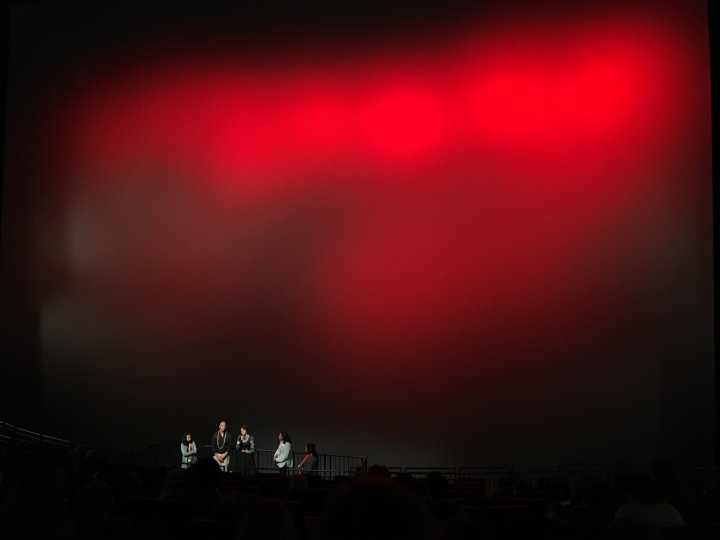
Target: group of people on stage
<point>244,447</point>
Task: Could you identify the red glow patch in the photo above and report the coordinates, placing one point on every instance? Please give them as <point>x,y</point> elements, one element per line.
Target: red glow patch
<point>483,168</point>
<point>405,123</point>
<point>264,129</point>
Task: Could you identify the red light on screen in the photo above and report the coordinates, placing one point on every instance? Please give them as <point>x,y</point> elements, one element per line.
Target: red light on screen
<point>405,123</point>
<point>571,121</point>
<point>260,128</point>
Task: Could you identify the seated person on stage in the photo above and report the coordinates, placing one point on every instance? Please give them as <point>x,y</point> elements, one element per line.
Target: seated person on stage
<point>189,451</point>
<point>283,455</point>
<point>309,464</point>
<point>221,442</point>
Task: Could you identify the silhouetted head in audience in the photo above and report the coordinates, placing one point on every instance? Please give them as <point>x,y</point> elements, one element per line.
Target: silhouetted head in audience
<point>71,467</point>
<point>150,529</point>
<point>663,472</point>
<point>624,529</point>
<point>271,488</point>
<point>233,506</point>
<point>640,488</point>
<point>94,501</point>
<point>310,449</point>
<point>59,477</point>
<point>597,494</point>
<point>443,509</point>
<point>376,508</point>
<point>712,491</point>
<point>267,519</point>
<point>33,508</point>
<point>619,485</point>
<point>407,481</point>
<point>205,473</point>
<point>672,490</point>
<point>523,486</point>
<point>175,475</point>
<point>379,471</point>
<point>284,437</point>
<point>107,473</point>
<point>437,485</point>
<point>299,481</point>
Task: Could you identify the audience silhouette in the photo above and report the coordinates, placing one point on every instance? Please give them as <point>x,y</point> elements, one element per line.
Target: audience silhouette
<point>81,497</point>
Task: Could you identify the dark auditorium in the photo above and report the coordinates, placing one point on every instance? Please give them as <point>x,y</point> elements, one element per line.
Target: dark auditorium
<point>359,270</point>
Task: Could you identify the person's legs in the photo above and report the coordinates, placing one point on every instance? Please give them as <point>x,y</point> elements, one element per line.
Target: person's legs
<point>223,464</point>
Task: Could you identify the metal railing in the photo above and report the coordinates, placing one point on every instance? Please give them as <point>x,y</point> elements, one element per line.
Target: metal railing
<point>503,477</point>
<point>13,435</point>
<point>506,477</point>
<point>332,465</point>
<point>26,441</point>
<point>451,473</point>
<point>328,464</point>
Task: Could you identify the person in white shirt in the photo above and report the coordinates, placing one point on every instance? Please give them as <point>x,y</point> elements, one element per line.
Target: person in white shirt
<point>283,456</point>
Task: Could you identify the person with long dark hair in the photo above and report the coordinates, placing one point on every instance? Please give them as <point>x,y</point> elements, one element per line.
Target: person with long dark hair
<point>189,451</point>
<point>309,464</point>
<point>246,451</point>
<point>283,456</point>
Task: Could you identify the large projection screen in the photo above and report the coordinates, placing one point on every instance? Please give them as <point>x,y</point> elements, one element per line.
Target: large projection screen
<point>445,234</point>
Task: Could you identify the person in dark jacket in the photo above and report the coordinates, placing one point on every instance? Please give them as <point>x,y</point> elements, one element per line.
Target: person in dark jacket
<point>221,443</point>
<point>245,449</point>
<point>309,464</point>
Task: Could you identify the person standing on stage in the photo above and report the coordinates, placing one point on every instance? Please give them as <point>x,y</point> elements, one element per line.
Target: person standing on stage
<point>221,442</point>
<point>283,456</point>
<point>246,446</point>
<point>189,451</point>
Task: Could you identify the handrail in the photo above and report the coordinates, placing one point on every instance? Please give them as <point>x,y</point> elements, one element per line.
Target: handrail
<point>13,435</point>
<point>27,434</point>
<point>16,437</point>
<point>364,458</point>
<point>154,454</point>
<point>144,447</point>
<point>431,469</point>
